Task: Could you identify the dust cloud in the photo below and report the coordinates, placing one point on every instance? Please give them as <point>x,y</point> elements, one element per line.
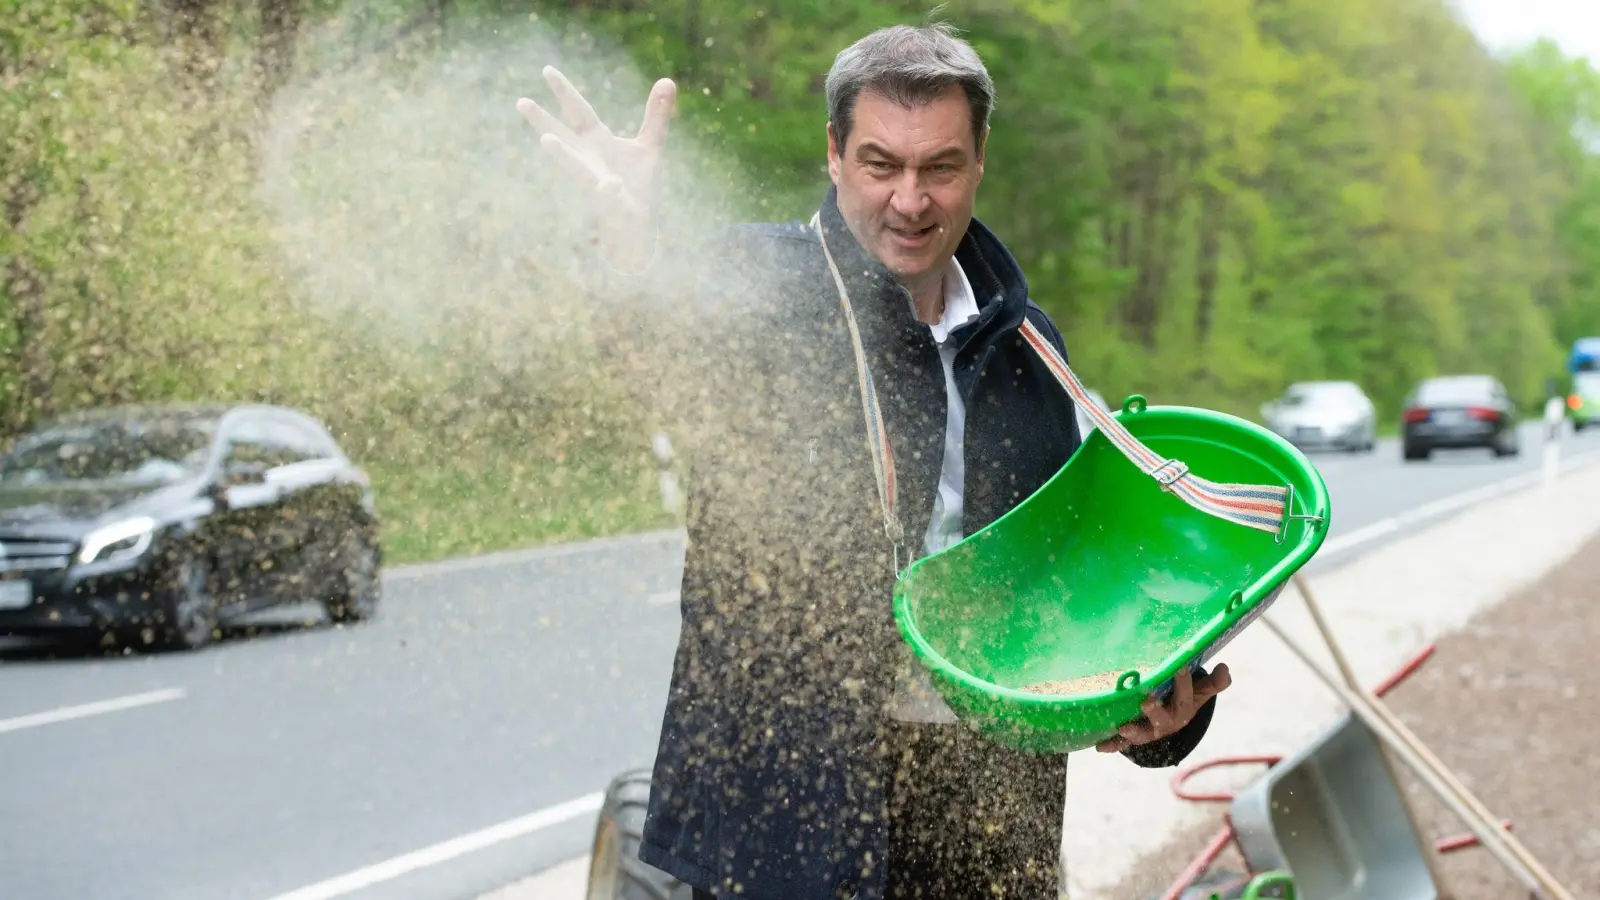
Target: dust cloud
<point>410,198</point>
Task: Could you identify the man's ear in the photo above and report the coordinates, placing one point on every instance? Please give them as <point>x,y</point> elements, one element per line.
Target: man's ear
<point>835,154</point>
<point>983,146</point>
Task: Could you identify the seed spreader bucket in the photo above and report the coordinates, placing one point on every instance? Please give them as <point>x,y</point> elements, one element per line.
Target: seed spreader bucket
<point>1124,569</point>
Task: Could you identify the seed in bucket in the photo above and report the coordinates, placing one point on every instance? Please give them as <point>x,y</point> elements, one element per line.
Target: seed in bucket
<point>1087,684</point>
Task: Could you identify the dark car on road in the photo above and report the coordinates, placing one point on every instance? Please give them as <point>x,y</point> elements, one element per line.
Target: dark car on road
<point>1459,411</point>
<point>156,525</point>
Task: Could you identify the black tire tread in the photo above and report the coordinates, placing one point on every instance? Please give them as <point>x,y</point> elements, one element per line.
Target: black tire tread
<point>342,611</point>
<point>627,799</point>
<point>169,636</point>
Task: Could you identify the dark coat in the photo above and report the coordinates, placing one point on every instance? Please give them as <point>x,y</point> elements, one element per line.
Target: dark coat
<point>769,780</point>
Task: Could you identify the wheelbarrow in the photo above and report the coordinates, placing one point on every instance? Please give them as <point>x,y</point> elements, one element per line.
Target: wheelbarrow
<point>1329,820</point>
<point>1121,571</point>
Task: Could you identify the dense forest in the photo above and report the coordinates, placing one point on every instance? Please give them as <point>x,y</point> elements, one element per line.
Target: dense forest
<point>332,206</point>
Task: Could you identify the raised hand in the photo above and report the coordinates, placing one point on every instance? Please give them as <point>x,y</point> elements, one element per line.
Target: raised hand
<point>623,172</point>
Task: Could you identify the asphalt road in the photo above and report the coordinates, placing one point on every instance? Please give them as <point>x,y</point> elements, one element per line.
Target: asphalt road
<point>488,689</point>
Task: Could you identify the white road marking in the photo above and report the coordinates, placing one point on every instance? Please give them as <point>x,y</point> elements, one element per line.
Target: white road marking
<point>1453,503</point>
<point>664,598</point>
<point>84,710</point>
<point>445,851</point>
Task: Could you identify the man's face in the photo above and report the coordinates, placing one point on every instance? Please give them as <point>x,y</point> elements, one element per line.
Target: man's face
<point>907,179</point>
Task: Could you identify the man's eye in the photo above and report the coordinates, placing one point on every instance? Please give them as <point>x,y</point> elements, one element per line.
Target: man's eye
<point>879,166</point>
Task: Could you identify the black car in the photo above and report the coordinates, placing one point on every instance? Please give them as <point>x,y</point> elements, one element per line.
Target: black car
<point>158,524</point>
<point>1459,411</point>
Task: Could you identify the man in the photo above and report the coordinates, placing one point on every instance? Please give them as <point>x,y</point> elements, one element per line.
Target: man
<point>802,755</point>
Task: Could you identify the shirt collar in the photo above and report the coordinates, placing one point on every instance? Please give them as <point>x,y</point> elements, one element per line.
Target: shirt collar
<point>960,304</point>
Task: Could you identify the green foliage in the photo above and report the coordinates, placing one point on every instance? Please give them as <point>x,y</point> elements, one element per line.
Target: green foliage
<point>1563,96</point>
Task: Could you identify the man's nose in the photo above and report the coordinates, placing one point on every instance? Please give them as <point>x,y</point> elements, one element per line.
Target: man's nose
<point>909,200</point>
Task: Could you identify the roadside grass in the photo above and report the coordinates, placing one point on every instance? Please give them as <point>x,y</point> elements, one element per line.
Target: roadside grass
<point>464,501</point>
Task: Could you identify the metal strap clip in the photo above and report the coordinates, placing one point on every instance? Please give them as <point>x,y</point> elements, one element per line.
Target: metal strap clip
<point>1169,472</point>
<point>1289,516</point>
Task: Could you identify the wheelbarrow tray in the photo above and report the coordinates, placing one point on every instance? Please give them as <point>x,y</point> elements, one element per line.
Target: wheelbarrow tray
<point>1103,571</point>
<point>1332,815</point>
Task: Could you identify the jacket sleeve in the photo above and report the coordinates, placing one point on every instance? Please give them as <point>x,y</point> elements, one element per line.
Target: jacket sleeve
<point>1175,747</point>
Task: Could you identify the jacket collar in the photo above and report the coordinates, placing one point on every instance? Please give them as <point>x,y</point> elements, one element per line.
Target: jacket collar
<point>997,280</point>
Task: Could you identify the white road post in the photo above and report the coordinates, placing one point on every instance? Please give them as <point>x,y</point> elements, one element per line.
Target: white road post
<point>1554,417</point>
<point>669,482</point>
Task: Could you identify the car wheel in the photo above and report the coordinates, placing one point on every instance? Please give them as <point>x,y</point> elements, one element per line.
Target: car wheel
<point>189,617</point>
<point>1510,447</point>
<point>1412,452</point>
<point>361,584</point>
<point>615,870</point>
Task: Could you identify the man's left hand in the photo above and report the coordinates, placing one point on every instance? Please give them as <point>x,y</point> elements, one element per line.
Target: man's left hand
<point>1165,719</point>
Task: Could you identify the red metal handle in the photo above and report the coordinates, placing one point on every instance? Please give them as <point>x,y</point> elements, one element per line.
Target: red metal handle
<point>1463,841</point>
<point>1213,849</point>
<point>1404,672</point>
<point>1179,780</point>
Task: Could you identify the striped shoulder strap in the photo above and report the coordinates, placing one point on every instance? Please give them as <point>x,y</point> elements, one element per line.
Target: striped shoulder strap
<point>1258,506</point>
<point>1262,507</point>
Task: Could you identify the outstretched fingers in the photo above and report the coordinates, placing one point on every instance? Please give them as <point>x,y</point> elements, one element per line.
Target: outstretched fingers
<point>580,115</point>
<point>658,112</point>
<point>541,119</point>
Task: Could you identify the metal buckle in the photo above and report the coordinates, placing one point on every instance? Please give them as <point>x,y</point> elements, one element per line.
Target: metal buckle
<point>1179,469</point>
<point>897,536</point>
<point>1289,516</point>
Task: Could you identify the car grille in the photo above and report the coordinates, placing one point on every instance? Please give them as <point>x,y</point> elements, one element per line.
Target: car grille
<point>27,555</point>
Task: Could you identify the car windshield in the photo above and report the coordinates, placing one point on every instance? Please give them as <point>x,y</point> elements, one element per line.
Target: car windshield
<point>141,451</point>
<point>1455,390</point>
<point>1302,395</point>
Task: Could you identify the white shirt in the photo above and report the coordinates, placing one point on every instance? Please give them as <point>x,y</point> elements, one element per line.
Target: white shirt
<point>960,307</point>
<point>915,698</point>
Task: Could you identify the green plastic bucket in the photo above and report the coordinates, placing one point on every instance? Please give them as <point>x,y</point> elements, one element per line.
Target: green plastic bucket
<point>1101,571</point>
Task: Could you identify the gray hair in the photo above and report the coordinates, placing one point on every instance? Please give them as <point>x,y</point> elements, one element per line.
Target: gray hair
<point>909,65</point>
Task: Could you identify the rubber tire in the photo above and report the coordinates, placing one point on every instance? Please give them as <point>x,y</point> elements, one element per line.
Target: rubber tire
<point>187,582</point>
<point>1416,453</point>
<point>615,871</point>
<point>363,585</point>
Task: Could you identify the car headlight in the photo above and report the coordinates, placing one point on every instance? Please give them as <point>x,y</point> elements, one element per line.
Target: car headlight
<point>126,539</point>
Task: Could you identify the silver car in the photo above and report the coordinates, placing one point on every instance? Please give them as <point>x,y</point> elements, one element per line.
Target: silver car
<point>1324,415</point>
